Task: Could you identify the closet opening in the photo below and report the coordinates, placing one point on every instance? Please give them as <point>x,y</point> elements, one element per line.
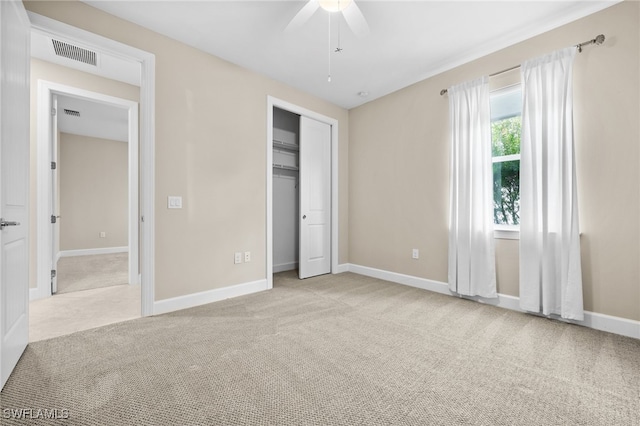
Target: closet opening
<point>301,194</point>
<point>286,194</point>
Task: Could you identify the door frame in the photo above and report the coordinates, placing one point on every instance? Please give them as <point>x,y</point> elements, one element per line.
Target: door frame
<point>45,128</point>
<point>287,106</point>
<point>146,213</point>
<point>54,188</point>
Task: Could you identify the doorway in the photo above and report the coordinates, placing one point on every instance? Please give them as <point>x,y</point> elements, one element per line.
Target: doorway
<point>282,165</point>
<point>91,238</point>
<point>90,186</point>
<point>286,190</point>
<point>47,178</point>
<point>146,214</point>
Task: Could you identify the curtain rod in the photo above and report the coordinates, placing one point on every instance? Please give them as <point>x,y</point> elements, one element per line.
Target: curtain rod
<point>598,40</point>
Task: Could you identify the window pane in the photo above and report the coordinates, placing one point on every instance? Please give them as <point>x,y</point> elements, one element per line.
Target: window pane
<point>506,119</point>
<point>505,136</point>
<point>506,192</point>
<point>506,103</point>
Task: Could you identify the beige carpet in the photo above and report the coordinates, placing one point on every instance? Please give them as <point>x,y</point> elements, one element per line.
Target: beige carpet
<point>333,350</point>
<point>94,271</point>
<point>82,310</point>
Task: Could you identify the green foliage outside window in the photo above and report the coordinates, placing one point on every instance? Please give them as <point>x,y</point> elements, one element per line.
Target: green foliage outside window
<point>506,174</point>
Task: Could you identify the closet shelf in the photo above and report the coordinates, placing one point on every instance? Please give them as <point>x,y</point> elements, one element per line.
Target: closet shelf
<point>285,145</point>
<point>284,167</point>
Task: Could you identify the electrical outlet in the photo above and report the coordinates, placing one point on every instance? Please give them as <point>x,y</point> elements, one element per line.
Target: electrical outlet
<point>237,258</point>
<point>415,254</point>
<point>103,234</point>
<point>247,256</point>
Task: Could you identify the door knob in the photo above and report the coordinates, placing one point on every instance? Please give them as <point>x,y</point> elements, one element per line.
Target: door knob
<point>4,223</point>
<point>304,216</point>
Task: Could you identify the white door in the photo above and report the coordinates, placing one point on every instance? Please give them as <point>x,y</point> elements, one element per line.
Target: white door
<point>54,200</point>
<point>14,184</point>
<point>315,198</point>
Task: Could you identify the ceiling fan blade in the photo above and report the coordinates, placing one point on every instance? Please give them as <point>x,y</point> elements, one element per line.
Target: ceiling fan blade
<point>355,20</point>
<point>303,15</point>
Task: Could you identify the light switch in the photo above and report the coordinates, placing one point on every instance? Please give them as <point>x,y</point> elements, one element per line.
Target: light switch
<point>174,202</point>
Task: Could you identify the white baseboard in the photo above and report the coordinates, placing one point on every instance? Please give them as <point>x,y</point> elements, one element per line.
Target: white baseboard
<point>617,325</point>
<point>423,283</point>
<point>87,252</point>
<point>341,268</point>
<point>210,296</point>
<point>285,267</point>
<point>597,321</point>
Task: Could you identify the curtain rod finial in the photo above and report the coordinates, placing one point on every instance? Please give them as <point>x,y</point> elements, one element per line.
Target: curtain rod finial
<point>443,92</point>
<point>598,41</point>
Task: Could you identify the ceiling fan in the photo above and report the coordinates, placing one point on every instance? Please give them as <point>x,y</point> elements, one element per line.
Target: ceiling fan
<point>349,9</point>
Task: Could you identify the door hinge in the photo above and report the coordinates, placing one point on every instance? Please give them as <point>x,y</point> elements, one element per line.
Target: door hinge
<point>53,165</point>
<point>53,219</point>
<point>53,273</point>
<point>53,111</point>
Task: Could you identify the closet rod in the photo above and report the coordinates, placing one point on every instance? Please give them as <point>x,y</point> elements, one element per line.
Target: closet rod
<point>598,40</point>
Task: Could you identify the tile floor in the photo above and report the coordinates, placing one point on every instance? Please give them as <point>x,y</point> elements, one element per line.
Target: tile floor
<point>81,310</point>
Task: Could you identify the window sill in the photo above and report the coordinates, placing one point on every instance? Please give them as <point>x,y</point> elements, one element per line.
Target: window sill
<point>506,233</point>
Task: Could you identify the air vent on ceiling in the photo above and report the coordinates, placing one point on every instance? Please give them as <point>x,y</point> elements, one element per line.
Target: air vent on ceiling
<point>72,112</point>
<point>76,53</point>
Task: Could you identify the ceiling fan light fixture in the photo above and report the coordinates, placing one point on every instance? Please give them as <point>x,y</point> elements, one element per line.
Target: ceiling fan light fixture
<point>334,5</point>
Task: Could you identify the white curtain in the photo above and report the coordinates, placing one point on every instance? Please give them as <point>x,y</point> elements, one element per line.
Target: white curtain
<point>550,271</point>
<point>471,245</point>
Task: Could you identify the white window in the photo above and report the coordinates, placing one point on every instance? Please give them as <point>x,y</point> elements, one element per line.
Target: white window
<point>506,120</point>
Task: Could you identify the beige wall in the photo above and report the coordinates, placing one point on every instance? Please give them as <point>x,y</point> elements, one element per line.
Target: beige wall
<point>93,192</point>
<point>399,165</point>
<point>210,149</point>
<point>41,70</point>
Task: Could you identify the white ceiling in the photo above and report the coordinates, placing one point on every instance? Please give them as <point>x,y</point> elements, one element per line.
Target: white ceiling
<point>96,119</point>
<point>409,40</point>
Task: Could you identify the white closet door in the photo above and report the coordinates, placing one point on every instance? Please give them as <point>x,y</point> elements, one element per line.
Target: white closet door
<point>315,198</point>
<point>14,184</point>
